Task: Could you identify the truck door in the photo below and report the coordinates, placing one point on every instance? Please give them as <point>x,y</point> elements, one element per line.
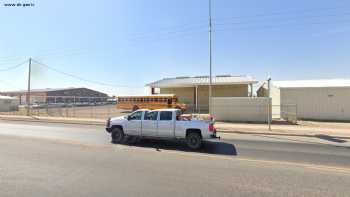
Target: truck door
<point>166,124</point>
<point>133,127</point>
<point>149,124</point>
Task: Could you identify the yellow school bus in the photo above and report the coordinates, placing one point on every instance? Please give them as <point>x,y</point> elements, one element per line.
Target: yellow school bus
<point>156,101</point>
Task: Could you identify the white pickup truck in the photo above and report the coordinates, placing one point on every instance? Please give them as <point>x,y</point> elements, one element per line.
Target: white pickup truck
<point>162,123</point>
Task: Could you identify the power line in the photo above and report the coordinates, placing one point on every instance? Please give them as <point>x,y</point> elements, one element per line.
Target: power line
<point>194,29</point>
<point>81,78</point>
<point>279,13</point>
<point>199,27</point>
<point>46,54</point>
<point>171,33</point>
<point>281,25</point>
<point>154,40</point>
<point>182,28</point>
<point>12,67</point>
<point>284,19</point>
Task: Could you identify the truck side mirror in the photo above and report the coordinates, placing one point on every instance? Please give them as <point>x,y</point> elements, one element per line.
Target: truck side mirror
<point>128,117</point>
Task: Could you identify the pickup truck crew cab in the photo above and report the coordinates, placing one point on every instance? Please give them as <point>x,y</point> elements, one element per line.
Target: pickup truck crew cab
<point>162,123</point>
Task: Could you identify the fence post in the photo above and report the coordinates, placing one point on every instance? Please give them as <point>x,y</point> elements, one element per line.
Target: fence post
<point>73,106</point>
<point>296,113</point>
<point>91,108</point>
<point>66,107</point>
<point>47,106</point>
<point>109,111</point>
<point>269,117</point>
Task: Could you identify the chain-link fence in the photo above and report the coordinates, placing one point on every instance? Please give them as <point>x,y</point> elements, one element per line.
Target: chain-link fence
<point>237,109</point>
<point>289,112</point>
<point>68,106</point>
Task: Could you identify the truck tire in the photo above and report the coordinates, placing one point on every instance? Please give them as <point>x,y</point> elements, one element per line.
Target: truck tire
<point>194,141</point>
<point>132,140</point>
<point>117,135</point>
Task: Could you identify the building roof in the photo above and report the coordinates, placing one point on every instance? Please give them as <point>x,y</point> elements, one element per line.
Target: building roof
<point>312,83</point>
<point>202,80</point>
<point>7,98</point>
<point>42,90</point>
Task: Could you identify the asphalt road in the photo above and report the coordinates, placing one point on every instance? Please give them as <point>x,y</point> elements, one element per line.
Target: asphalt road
<point>39,159</point>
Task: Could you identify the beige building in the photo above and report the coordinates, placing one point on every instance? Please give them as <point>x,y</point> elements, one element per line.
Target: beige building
<point>194,91</point>
<point>313,99</point>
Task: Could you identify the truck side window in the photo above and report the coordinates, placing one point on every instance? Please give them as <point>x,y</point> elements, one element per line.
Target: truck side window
<point>136,115</point>
<point>166,115</point>
<point>151,115</point>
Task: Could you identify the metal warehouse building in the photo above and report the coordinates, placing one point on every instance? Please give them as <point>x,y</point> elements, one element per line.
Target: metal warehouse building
<point>194,91</point>
<point>63,95</point>
<point>314,99</point>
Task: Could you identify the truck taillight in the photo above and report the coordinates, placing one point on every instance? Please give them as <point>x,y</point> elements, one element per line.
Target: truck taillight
<point>211,128</point>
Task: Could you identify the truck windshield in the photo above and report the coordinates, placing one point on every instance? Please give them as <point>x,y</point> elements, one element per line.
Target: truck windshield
<point>135,116</point>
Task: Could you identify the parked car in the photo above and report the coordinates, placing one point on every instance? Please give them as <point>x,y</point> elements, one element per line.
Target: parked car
<point>161,123</point>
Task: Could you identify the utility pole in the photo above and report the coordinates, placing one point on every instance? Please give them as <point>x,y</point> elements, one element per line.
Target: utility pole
<point>210,61</point>
<point>28,90</point>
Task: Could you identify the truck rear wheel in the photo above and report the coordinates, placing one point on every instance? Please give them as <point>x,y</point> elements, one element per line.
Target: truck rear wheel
<point>194,141</point>
<point>117,135</point>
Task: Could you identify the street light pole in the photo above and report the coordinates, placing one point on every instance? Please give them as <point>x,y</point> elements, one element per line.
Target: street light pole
<point>210,61</point>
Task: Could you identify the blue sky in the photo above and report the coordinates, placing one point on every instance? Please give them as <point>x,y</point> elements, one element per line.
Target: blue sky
<point>134,42</point>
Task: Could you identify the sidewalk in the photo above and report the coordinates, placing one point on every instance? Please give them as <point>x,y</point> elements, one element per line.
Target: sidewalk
<point>303,129</point>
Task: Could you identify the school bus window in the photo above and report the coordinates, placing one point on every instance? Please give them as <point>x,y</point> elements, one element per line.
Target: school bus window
<point>149,102</point>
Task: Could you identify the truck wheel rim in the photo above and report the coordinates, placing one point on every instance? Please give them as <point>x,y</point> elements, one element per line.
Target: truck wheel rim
<point>117,136</point>
<point>193,141</point>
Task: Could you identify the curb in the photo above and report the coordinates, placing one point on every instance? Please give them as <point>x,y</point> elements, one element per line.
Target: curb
<point>98,123</point>
<point>279,134</point>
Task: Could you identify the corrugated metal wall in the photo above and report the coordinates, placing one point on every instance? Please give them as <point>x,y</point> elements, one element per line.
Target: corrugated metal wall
<point>319,103</point>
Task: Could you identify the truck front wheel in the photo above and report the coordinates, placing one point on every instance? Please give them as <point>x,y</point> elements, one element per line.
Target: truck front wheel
<point>194,141</point>
<point>117,135</point>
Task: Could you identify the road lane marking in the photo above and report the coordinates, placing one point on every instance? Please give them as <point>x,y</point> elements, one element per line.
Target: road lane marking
<point>118,147</point>
<point>274,162</point>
